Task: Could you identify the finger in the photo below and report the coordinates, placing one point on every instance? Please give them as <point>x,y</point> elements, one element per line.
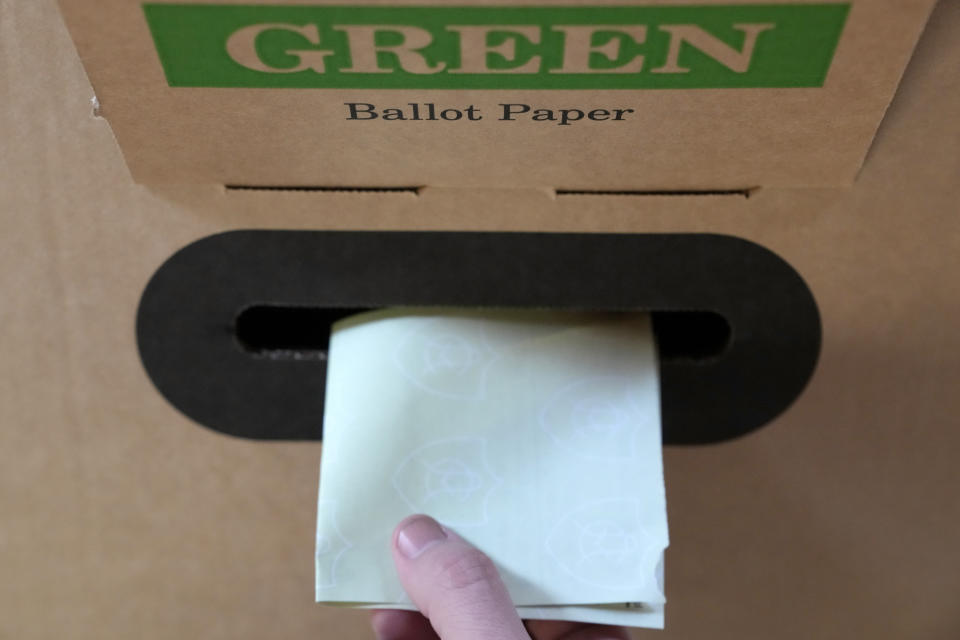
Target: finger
<point>453,584</point>
<point>395,624</point>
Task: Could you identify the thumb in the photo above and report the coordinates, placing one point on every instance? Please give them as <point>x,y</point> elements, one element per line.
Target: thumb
<point>454,585</point>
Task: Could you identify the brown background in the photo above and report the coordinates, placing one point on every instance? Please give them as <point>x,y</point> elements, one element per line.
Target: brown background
<point>119,518</point>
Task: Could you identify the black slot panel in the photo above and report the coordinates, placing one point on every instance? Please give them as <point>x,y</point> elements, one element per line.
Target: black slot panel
<point>233,328</point>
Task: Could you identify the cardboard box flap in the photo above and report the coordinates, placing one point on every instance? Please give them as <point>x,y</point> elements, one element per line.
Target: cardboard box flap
<point>558,94</point>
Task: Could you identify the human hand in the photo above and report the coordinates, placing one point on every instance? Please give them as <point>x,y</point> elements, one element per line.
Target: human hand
<point>460,594</point>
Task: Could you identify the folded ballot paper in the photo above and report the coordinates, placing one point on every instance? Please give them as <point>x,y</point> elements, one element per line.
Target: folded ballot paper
<point>533,435</point>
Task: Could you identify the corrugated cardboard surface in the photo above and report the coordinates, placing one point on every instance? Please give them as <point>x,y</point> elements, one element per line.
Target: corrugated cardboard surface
<point>676,139</point>
<point>119,518</point>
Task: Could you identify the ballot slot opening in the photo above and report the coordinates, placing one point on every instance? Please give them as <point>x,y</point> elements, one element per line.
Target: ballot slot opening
<point>280,332</point>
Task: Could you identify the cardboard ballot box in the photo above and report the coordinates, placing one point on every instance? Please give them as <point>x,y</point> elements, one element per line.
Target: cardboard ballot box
<point>173,253</point>
<point>616,95</point>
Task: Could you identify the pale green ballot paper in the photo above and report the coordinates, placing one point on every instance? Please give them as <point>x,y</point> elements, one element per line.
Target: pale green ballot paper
<point>533,435</point>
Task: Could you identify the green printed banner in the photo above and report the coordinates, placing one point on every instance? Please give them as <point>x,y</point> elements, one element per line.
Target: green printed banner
<point>496,47</point>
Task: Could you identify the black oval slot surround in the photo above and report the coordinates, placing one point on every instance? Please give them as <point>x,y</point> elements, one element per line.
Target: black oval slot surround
<point>233,328</point>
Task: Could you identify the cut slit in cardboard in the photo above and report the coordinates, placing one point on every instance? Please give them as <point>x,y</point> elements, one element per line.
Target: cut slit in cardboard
<point>567,95</point>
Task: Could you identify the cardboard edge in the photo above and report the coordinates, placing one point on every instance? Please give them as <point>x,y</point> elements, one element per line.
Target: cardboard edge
<point>903,66</point>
